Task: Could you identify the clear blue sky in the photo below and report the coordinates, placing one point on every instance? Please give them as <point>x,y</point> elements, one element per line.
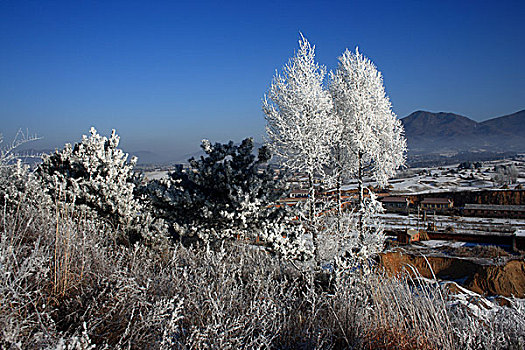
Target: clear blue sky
<point>167,74</point>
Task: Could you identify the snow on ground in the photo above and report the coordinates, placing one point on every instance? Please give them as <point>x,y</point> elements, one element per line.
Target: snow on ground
<point>479,306</point>
<point>156,175</point>
<point>451,178</point>
<point>435,243</point>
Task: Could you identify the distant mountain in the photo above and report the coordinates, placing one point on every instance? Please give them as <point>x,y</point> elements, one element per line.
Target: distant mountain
<point>512,123</point>
<point>428,132</point>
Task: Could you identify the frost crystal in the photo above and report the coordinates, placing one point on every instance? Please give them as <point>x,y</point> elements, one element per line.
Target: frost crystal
<point>225,194</point>
<point>95,174</point>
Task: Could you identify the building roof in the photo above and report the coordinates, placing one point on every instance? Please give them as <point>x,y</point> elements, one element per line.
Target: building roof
<point>299,190</point>
<point>495,207</point>
<point>392,199</point>
<point>436,201</point>
<point>291,200</point>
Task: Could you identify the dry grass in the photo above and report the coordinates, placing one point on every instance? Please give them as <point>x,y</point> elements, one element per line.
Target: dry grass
<point>65,283</point>
<point>408,314</point>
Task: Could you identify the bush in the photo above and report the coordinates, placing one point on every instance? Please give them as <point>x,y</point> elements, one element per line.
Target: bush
<point>95,175</point>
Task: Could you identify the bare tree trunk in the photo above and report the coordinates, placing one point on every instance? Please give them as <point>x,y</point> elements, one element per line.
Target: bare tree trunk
<point>311,216</point>
<point>338,168</point>
<point>339,203</point>
<point>361,197</point>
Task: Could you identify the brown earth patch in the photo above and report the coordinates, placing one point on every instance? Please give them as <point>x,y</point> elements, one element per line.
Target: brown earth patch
<point>506,279</point>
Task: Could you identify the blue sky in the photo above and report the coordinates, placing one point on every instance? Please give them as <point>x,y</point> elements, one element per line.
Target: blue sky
<point>167,74</point>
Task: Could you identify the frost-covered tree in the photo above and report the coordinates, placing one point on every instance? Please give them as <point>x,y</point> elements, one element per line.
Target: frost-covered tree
<point>370,137</point>
<point>95,174</point>
<point>8,152</point>
<point>506,174</point>
<point>226,193</point>
<point>17,182</point>
<point>299,120</point>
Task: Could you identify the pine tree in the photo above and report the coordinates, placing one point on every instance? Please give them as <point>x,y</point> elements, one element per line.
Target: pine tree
<point>226,193</point>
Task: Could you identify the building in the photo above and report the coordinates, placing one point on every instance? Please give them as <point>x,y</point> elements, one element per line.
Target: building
<point>436,204</point>
<point>396,204</point>
<point>495,211</point>
<point>518,241</point>
<point>408,236</point>
<point>299,193</point>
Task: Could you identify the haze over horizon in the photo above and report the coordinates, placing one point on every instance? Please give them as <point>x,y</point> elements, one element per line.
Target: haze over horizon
<point>167,75</point>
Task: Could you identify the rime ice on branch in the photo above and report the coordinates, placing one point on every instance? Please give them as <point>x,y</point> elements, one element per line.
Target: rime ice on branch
<point>95,174</point>
<point>347,129</point>
<point>369,134</point>
<point>299,120</point>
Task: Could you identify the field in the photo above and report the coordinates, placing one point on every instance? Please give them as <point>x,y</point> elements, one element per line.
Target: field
<point>102,273</point>
<point>452,178</point>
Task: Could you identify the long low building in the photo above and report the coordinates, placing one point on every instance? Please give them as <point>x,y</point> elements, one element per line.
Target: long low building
<point>436,204</point>
<point>396,204</point>
<point>495,211</point>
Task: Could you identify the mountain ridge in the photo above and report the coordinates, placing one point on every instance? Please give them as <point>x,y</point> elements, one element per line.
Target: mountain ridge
<point>441,132</point>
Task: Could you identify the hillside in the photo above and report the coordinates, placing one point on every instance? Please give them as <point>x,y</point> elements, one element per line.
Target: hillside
<point>512,123</point>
